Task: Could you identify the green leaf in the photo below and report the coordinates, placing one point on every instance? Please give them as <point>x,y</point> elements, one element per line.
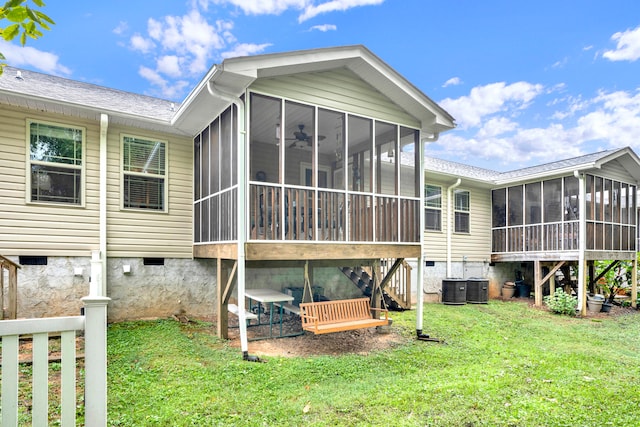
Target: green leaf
<point>11,32</point>
<point>13,3</point>
<point>44,17</point>
<point>23,38</point>
<point>38,3</point>
<point>17,14</point>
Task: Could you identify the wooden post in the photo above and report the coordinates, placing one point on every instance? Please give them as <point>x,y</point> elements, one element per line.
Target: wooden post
<point>225,277</point>
<point>537,290</point>
<point>223,313</point>
<point>552,284</point>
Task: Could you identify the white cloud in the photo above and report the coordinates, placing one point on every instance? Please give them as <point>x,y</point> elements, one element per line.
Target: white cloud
<point>167,89</point>
<point>121,28</point>
<point>245,49</point>
<point>483,101</point>
<point>496,126</point>
<point>141,44</point>
<point>265,7</point>
<point>312,10</point>
<point>453,81</point>
<point>20,56</point>
<point>627,48</point>
<point>607,120</point>
<point>169,65</point>
<point>185,46</point>
<point>324,28</point>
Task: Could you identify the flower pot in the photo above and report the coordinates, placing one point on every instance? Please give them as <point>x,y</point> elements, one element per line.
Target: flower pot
<point>606,307</point>
<point>594,306</point>
<point>507,292</point>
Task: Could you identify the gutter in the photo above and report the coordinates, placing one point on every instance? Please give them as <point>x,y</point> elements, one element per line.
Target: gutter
<point>97,281</point>
<point>242,210</point>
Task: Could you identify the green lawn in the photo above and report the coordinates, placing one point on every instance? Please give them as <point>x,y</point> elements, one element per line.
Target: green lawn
<point>503,364</point>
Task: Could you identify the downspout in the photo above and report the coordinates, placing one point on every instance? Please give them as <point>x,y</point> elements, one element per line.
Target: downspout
<point>450,223</point>
<point>421,259</point>
<point>582,244</point>
<point>98,282</point>
<point>241,213</point>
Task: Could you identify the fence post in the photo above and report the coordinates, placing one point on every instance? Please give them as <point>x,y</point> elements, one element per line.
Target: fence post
<point>95,343</point>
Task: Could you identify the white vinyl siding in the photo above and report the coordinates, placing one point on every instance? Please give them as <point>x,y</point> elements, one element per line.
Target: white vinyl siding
<point>44,229</point>
<point>475,245</point>
<point>64,230</point>
<point>340,90</point>
<point>146,233</point>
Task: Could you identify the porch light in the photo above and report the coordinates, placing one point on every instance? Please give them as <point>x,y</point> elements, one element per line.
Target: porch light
<point>278,131</point>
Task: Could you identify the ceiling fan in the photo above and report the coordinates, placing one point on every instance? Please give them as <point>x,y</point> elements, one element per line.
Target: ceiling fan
<point>301,136</point>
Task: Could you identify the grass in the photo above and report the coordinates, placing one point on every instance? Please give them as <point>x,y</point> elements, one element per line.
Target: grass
<point>503,364</point>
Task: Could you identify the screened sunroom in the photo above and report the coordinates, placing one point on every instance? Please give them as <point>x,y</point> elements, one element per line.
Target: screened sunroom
<point>544,217</point>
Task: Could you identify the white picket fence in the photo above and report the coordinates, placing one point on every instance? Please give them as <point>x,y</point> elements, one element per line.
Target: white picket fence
<point>94,325</point>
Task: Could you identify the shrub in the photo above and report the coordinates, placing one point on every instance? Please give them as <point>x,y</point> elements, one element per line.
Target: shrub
<point>561,302</point>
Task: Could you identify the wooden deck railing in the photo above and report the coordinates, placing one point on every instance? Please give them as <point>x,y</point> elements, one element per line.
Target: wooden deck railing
<point>9,269</point>
<point>399,284</point>
<point>561,236</point>
<point>295,213</point>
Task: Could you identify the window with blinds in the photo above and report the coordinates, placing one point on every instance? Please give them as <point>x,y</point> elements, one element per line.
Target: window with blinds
<point>461,209</point>
<point>144,168</point>
<point>55,163</point>
<point>433,208</point>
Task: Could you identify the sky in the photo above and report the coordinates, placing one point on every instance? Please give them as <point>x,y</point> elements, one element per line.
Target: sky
<point>527,82</point>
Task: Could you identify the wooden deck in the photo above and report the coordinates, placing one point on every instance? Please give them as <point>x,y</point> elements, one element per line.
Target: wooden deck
<point>313,251</point>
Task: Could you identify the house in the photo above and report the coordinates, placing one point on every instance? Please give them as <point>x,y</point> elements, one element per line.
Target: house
<point>539,221</point>
<point>273,165</point>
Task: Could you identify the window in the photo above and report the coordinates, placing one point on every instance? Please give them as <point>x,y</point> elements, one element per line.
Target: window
<point>461,209</point>
<point>144,173</point>
<point>433,208</point>
<point>55,163</point>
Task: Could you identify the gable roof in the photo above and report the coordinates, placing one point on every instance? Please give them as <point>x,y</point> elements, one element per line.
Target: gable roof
<point>233,76</point>
<point>52,94</point>
<point>626,156</point>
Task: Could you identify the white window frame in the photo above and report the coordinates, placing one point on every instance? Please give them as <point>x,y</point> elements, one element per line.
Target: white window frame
<point>461,211</point>
<point>81,167</point>
<point>165,177</point>
<point>432,208</point>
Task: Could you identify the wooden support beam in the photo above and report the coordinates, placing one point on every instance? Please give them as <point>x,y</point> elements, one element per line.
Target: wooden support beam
<point>228,288</point>
<point>537,288</point>
<point>552,273</point>
<point>539,280</point>
<point>601,275</point>
<point>224,288</point>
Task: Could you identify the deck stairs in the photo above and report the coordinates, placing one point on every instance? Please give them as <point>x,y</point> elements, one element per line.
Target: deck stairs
<point>396,293</point>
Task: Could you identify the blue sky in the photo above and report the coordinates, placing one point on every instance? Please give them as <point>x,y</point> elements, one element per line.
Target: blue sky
<point>528,82</point>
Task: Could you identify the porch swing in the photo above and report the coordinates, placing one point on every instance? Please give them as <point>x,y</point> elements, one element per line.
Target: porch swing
<point>324,317</point>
